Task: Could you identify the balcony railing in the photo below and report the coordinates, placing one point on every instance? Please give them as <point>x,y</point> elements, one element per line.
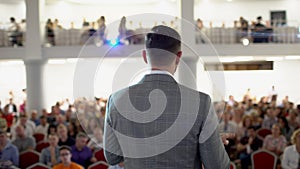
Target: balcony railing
<point>77,37</point>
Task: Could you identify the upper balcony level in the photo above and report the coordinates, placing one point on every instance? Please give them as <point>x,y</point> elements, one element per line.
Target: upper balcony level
<point>223,36</point>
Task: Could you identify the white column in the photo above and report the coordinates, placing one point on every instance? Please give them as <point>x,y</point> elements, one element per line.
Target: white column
<point>187,21</point>
<point>33,29</point>
<point>33,59</point>
<point>35,86</point>
<point>187,71</point>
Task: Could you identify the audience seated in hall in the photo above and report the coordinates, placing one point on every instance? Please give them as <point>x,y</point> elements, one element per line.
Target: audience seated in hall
<point>81,154</point>
<point>22,141</point>
<point>64,139</point>
<point>50,155</point>
<point>243,118</point>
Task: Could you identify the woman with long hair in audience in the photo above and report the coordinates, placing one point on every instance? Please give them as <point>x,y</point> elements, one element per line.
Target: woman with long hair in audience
<point>242,130</point>
<point>285,129</point>
<point>72,130</point>
<point>275,142</point>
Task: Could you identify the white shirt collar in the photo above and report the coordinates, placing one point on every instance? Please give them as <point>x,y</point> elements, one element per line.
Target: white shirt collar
<point>160,72</point>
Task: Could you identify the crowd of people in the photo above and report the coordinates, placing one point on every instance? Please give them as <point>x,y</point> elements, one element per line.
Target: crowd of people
<point>79,126</point>
<point>81,132</point>
<point>257,31</point>
<point>247,117</point>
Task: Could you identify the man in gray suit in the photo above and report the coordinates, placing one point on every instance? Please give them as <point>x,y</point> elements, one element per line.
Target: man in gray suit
<point>159,123</point>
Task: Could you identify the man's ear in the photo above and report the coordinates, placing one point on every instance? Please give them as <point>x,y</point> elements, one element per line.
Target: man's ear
<point>145,56</point>
<point>178,56</point>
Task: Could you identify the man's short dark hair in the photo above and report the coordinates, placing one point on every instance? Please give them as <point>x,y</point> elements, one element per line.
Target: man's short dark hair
<point>64,147</point>
<point>163,37</point>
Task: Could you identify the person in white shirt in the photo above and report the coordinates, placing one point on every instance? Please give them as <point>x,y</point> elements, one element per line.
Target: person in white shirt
<point>28,125</point>
<point>291,154</point>
<point>43,127</point>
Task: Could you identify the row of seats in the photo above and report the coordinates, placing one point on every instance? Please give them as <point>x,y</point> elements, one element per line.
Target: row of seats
<point>97,165</point>
<point>30,159</point>
<point>261,159</point>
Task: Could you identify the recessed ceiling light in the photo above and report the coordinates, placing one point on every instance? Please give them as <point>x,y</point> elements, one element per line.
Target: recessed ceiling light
<point>292,57</point>
<point>274,58</point>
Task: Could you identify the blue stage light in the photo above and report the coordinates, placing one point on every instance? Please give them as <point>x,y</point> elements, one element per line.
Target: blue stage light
<point>114,42</point>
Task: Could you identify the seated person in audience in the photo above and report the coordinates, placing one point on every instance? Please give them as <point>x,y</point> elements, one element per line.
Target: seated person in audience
<point>81,154</point>
<point>275,142</point>
<point>65,157</point>
<point>60,119</point>
<point>72,130</point>
<point>96,141</point>
<point>270,118</point>
<point>291,153</point>
<point>64,139</point>
<point>9,117</point>
<point>50,155</point>
<point>43,126</point>
<point>293,120</point>
<point>34,117</point>
<point>52,129</point>
<point>228,126</point>
<point>285,129</point>
<point>247,145</point>
<point>256,120</point>
<point>242,130</point>
<point>23,142</point>
<point>9,154</point>
<point>28,125</point>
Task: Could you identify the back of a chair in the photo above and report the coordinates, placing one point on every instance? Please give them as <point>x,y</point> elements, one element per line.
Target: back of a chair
<point>99,154</point>
<point>38,166</point>
<point>99,165</point>
<point>263,132</point>
<point>28,158</point>
<point>262,159</point>
<point>232,165</point>
<point>41,145</point>
<point>38,137</point>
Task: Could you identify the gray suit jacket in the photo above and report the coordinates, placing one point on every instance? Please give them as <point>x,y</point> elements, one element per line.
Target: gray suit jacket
<point>159,123</point>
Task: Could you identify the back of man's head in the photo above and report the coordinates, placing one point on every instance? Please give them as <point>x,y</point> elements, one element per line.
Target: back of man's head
<point>162,44</point>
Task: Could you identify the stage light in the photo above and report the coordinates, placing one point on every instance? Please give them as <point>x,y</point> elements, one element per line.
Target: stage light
<point>114,42</point>
<point>245,41</point>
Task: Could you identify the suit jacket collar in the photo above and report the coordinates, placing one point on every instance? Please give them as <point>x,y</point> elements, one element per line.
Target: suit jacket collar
<point>158,77</point>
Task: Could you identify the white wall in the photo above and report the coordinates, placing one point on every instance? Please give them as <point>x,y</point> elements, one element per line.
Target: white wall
<point>13,9</point>
<point>217,11</point>
<point>13,78</point>
<point>222,10</point>
<point>284,77</point>
<point>68,12</point>
<point>113,74</point>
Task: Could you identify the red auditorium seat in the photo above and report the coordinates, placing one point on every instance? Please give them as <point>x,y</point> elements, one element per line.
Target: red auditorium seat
<point>99,154</point>
<point>263,132</point>
<point>262,159</point>
<point>99,165</point>
<point>232,165</point>
<point>28,158</point>
<point>41,145</point>
<point>38,137</point>
<point>38,166</point>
